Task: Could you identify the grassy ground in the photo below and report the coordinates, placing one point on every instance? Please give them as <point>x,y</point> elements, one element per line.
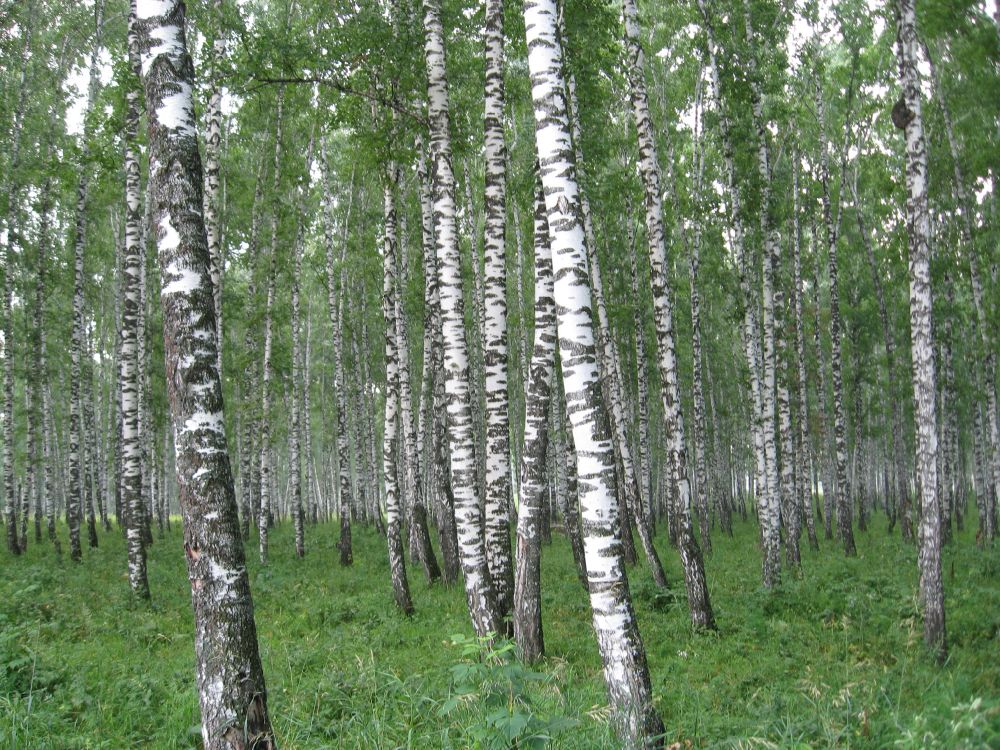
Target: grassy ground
<point>831,659</point>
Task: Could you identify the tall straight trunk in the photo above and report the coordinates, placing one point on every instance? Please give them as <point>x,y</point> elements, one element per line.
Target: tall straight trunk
<point>32,460</point>
<point>309,497</point>
<point>629,495</point>
<point>213,142</point>
<point>823,454</point>
<point>749,328</point>
<point>642,382</point>
<point>249,451</point>
<point>295,428</point>
<point>420,538</point>
<point>527,588</point>
<point>434,383</point>
<point>468,513</point>
<point>231,687</point>
<point>769,504</point>
<point>264,517</point>
<point>335,301</point>
<point>698,393</point>
<point>497,498</point>
<point>921,335</point>
<point>74,507</point>
<point>142,385</point>
<point>6,305</point>
<point>625,671</point>
<point>41,368</point>
<point>791,511</point>
<point>803,448</point>
<point>982,307</point>
<point>663,314</point>
<point>842,500</point>
<point>390,467</point>
<point>89,442</point>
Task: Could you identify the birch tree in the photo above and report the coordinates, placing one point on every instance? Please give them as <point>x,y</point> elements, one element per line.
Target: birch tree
<point>921,336</point>
<point>622,651</point>
<point>479,589</point>
<point>231,690</point>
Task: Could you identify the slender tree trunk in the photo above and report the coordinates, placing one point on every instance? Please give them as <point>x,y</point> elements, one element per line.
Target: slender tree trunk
<point>625,671</point>
<point>468,513</point>
<point>921,336</point>
<point>295,429</point>
<point>397,562</point>
<point>264,517</point>
<point>336,309</point>
<point>231,687</point>
<point>750,332</point>
<point>527,591</point>
<point>802,453</point>
<point>420,538</point>
<point>497,498</point>
<point>6,311</point>
<point>983,311</point>
<point>74,507</point>
<point>841,496</point>
<point>213,141</point>
<point>434,383</point>
<point>663,309</point>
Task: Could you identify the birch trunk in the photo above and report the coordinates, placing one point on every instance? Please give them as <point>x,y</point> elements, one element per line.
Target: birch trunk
<point>527,590</point>
<point>264,516</point>
<point>213,142</point>
<point>663,312</point>
<point>434,383</point>
<point>803,452</point>
<point>497,499</point>
<point>625,670</point>
<point>921,336</point>
<point>397,562</point>
<point>468,513</point>
<point>841,496</point>
<point>231,687</point>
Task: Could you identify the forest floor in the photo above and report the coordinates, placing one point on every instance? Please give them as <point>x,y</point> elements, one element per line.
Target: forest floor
<point>832,659</point>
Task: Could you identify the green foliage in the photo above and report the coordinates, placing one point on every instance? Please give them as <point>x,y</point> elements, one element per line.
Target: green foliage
<point>832,659</point>
<point>491,700</point>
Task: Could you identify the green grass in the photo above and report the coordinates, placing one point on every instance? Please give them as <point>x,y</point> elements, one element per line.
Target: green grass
<point>832,659</point>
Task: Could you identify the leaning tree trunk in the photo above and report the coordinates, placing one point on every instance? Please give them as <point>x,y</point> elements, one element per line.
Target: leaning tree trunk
<point>231,687</point>
<point>527,586</point>
<point>921,335</point>
<point>625,671</point>
<point>497,500</point>
<point>663,314</point>
<point>468,513</point>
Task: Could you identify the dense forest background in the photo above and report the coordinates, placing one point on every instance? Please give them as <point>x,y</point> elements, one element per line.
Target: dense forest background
<point>792,359</point>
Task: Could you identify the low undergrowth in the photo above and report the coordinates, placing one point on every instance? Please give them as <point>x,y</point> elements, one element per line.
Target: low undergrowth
<point>831,659</point>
